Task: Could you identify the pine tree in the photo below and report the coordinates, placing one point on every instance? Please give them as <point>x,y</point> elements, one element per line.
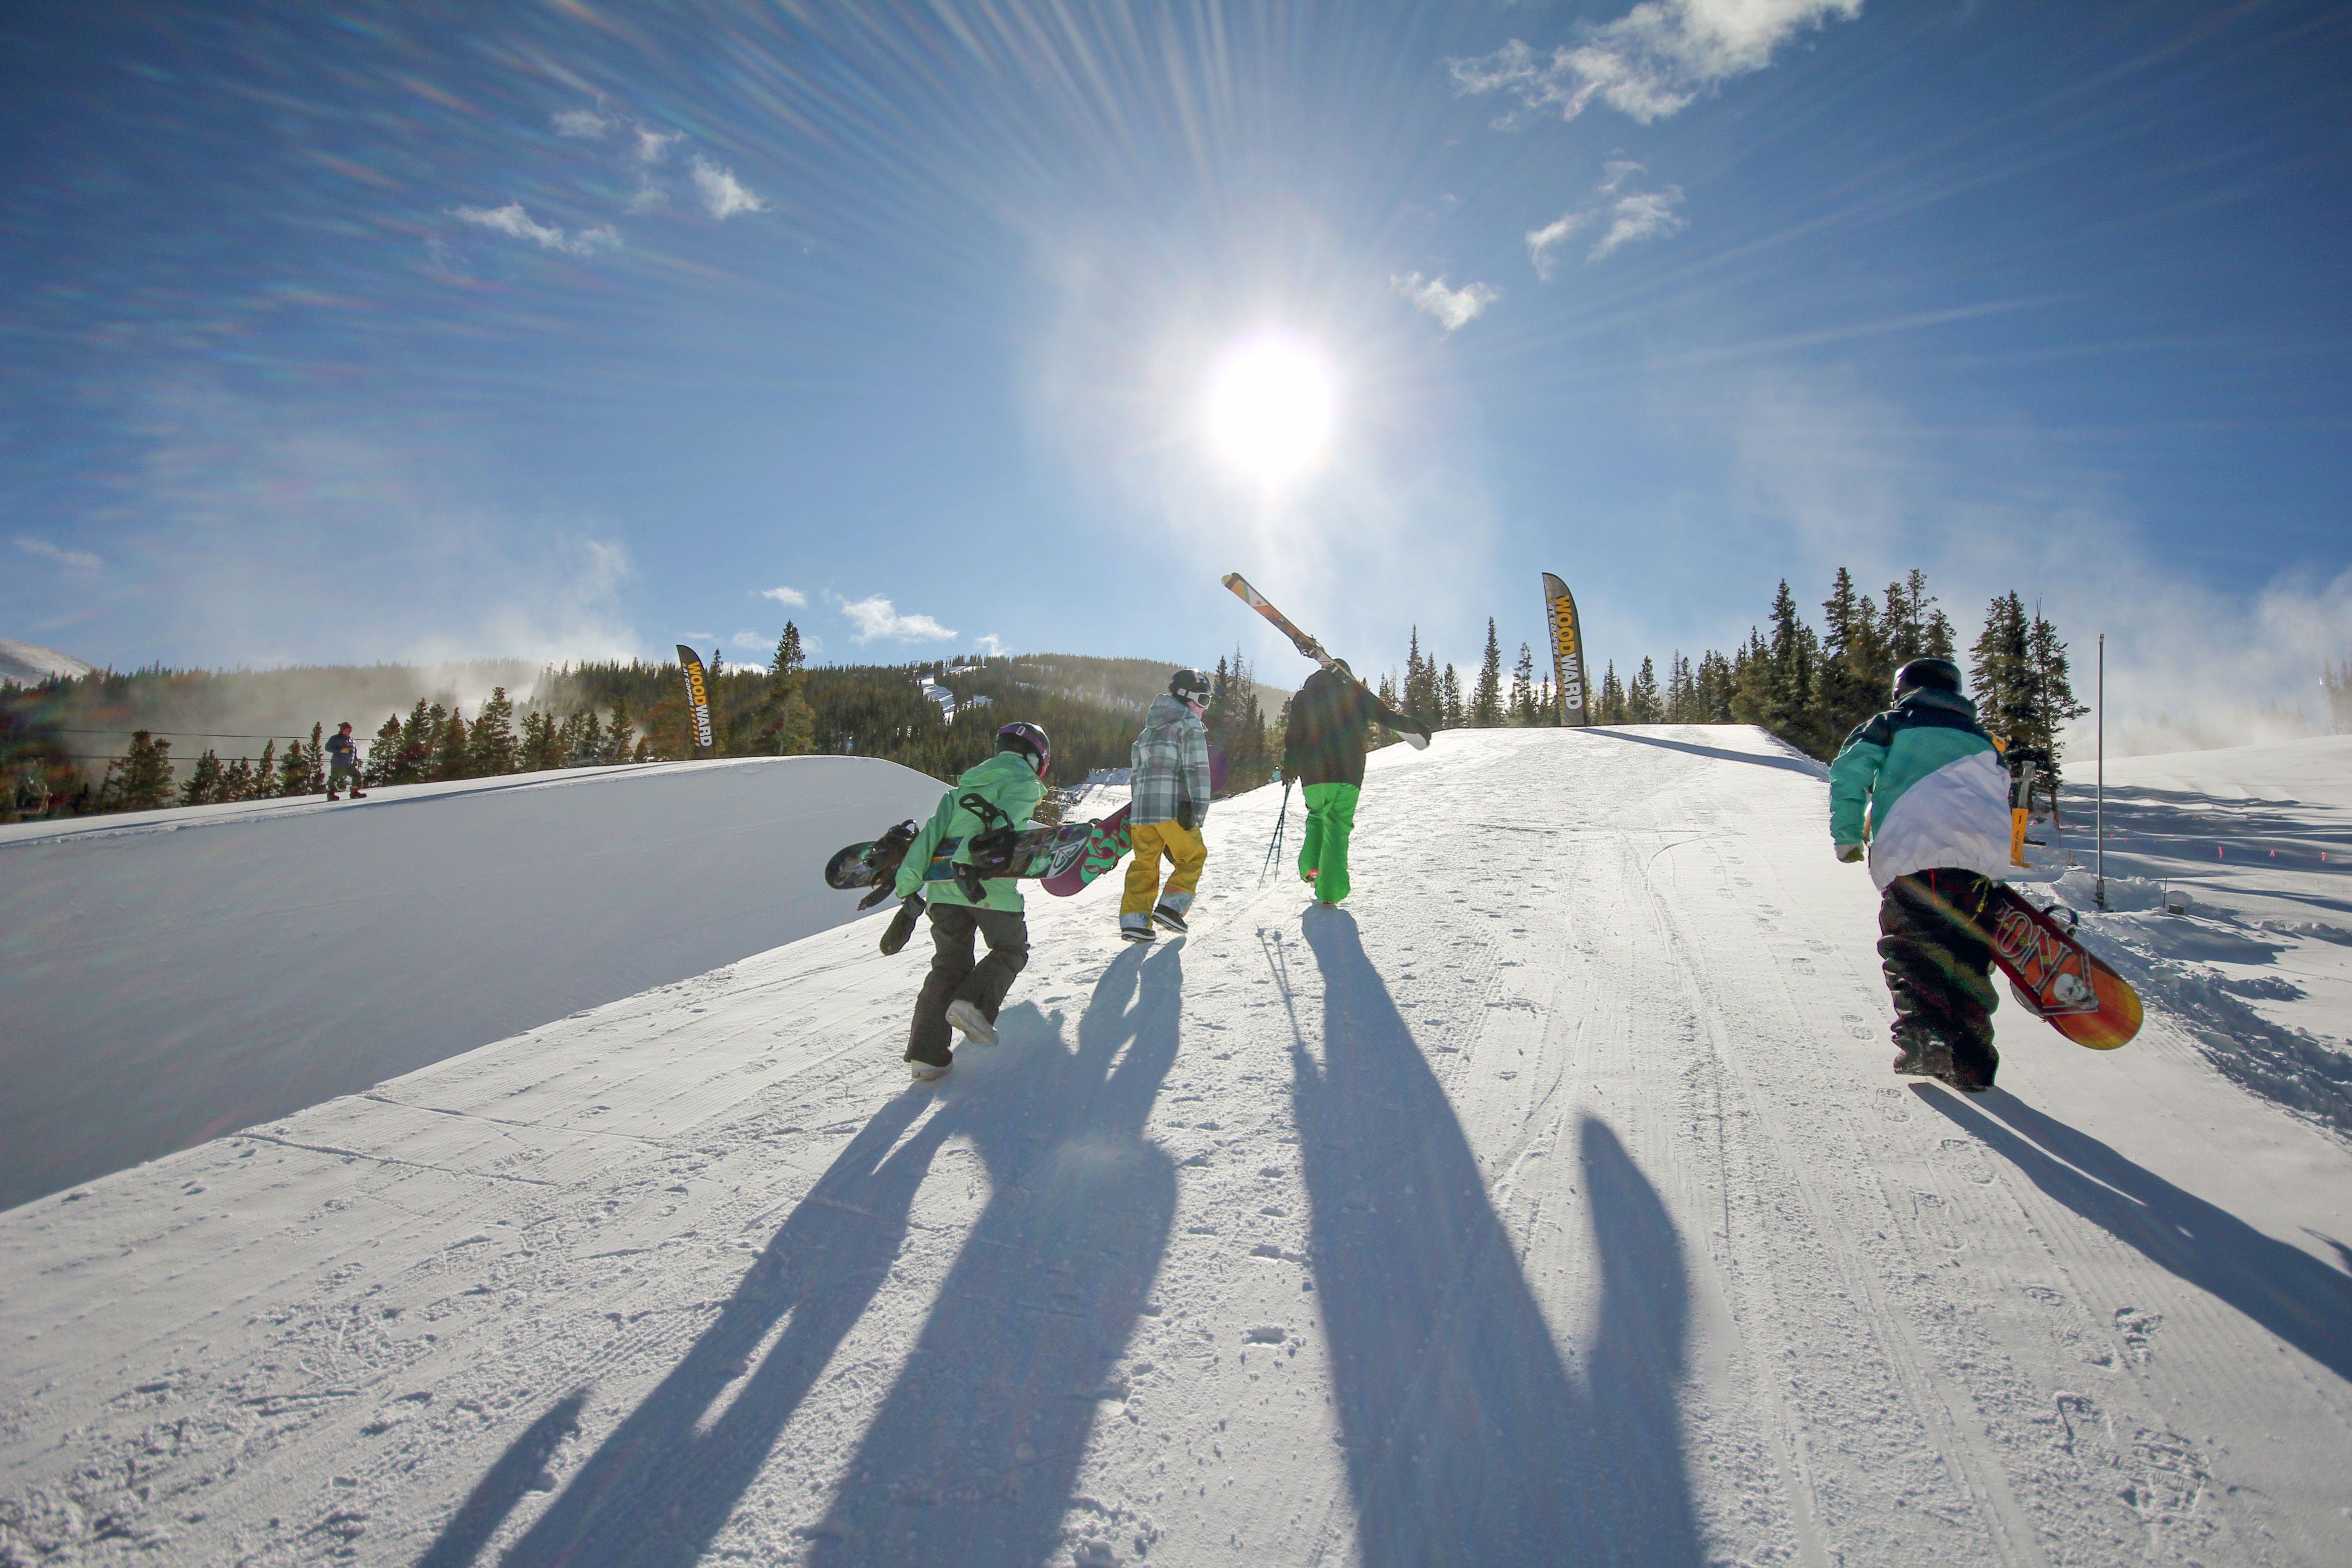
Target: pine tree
<point>1423,700</point>
<point>786,724</point>
<point>384,754</point>
<point>1786,686</point>
<point>1682,691</point>
<point>2000,673</point>
<point>316,782</point>
<point>236,780</point>
<point>1612,710</point>
<point>1449,700</point>
<point>1523,688</point>
<point>1487,704</point>
<point>536,746</point>
<point>1850,680</point>
<point>1642,696</point>
<point>265,774</point>
<point>620,734</point>
<point>491,747</point>
<point>450,750</point>
<point>1712,690</point>
<point>588,740</point>
<point>140,780</point>
<point>2054,700</point>
<point>293,770</point>
<point>204,781</point>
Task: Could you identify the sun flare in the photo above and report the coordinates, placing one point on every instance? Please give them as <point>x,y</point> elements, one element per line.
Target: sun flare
<point>1271,406</point>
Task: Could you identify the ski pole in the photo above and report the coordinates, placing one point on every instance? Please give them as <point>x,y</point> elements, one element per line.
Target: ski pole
<point>1273,848</point>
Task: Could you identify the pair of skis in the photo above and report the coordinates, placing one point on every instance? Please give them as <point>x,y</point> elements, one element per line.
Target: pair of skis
<point>1308,645</point>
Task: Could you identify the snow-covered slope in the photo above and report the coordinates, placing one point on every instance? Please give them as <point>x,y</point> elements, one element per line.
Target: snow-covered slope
<point>28,664</point>
<point>1553,1203</point>
<point>169,975</point>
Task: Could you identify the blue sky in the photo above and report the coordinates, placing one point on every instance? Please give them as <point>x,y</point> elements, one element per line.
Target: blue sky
<point>567,329</point>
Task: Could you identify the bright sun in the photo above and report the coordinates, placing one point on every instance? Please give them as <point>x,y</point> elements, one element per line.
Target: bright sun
<point>1271,405</point>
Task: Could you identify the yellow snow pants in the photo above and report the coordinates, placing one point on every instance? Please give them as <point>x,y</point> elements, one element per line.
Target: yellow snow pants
<point>1182,844</point>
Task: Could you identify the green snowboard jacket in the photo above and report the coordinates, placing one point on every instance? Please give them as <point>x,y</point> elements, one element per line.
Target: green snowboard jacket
<point>1006,781</point>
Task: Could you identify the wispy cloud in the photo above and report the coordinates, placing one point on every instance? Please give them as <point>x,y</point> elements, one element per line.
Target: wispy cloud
<point>1623,216</point>
<point>1454,308</point>
<point>585,124</point>
<point>511,219</point>
<point>723,195</point>
<point>653,146</point>
<point>876,617</point>
<point>1651,61</point>
<point>792,597</point>
<point>750,640</point>
<point>79,560</point>
<point>991,645</point>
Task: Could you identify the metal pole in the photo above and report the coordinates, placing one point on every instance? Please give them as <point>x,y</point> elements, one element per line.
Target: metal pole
<point>2100,885</point>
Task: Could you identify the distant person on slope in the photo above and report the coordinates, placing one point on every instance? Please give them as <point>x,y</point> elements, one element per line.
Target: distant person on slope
<point>1170,787</point>
<point>1936,796</point>
<point>960,993</point>
<point>344,762</point>
<point>1323,750</point>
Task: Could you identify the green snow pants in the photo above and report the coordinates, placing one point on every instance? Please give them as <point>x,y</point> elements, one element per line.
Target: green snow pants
<point>1323,853</point>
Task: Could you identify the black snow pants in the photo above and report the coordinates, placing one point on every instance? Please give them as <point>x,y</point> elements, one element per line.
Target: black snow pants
<point>954,977</point>
<point>1940,965</point>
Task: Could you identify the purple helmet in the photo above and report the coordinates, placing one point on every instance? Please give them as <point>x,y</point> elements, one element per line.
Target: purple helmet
<point>1029,739</point>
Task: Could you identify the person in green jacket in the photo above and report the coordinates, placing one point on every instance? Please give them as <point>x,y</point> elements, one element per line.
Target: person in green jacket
<point>960,994</point>
<point>1924,787</point>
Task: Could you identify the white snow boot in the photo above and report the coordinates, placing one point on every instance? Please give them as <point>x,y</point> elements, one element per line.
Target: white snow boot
<point>968,1017</point>
<point>928,1073</point>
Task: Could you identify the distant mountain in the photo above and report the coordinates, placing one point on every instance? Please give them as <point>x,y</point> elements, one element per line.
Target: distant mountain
<point>28,664</point>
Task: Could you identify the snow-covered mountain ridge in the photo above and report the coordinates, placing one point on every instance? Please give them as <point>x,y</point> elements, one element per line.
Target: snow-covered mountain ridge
<point>1553,1203</point>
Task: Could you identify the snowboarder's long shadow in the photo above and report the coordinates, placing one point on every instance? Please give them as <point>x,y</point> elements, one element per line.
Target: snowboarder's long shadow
<point>972,1459</point>
<point>662,1485</point>
<point>1467,1439</point>
<point>2285,1289</point>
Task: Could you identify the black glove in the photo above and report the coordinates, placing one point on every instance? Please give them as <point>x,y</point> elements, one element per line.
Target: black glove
<point>1424,729</point>
<point>1185,814</point>
<point>902,924</point>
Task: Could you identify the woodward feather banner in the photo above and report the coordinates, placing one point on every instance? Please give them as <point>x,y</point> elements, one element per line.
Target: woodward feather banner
<point>698,702</point>
<point>1567,651</point>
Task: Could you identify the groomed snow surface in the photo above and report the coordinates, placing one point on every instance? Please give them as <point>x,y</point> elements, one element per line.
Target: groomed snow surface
<point>1551,1204</point>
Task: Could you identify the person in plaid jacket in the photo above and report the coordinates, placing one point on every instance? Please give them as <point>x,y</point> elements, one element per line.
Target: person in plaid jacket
<point>1170,786</point>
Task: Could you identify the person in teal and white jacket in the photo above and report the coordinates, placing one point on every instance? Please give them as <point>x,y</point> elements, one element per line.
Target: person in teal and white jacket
<point>1924,787</point>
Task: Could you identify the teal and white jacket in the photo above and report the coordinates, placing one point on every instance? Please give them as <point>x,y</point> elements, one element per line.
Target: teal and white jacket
<point>1933,787</point>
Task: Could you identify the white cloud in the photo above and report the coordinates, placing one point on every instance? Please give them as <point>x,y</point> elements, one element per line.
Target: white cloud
<point>792,597</point>
<point>584,124</point>
<point>653,146</point>
<point>751,640</point>
<point>722,194</point>
<point>991,645</point>
<point>876,617</point>
<point>1651,61</point>
<point>510,219</point>
<point>79,560</point>
<point>1642,216</point>
<point>1454,307</point>
<point>1629,216</point>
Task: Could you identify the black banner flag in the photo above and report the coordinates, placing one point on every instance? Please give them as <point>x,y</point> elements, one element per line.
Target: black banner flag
<point>1567,652</point>
<point>698,702</point>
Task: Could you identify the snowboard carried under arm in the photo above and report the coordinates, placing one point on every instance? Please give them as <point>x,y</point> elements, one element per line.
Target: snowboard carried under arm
<point>2054,977</point>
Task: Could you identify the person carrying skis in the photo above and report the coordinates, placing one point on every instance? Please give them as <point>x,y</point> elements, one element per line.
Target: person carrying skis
<point>960,994</point>
<point>1323,750</point>
<point>1924,787</point>
<point>342,762</point>
<point>1171,788</point>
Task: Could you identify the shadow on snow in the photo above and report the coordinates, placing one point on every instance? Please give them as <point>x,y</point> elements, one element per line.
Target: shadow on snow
<point>1467,1439</point>
<point>2285,1289</point>
<point>971,1457</point>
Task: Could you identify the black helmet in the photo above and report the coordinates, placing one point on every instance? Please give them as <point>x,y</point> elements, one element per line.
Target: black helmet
<point>1190,684</point>
<point>1934,674</point>
<point>1344,668</point>
<point>1024,736</point>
